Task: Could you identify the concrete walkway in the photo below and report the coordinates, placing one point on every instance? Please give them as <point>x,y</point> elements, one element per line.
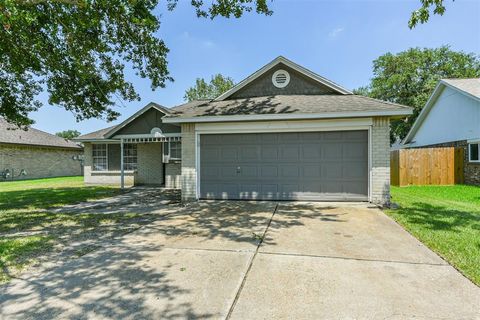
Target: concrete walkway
<point>246,260</point>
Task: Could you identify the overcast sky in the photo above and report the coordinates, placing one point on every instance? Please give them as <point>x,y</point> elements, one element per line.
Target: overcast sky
<point>336,39</point>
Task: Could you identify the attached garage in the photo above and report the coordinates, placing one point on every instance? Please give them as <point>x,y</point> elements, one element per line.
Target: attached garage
<point>319,166</point>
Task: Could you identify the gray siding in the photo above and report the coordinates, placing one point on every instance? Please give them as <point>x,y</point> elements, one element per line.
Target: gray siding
<point>299,84</point>
<point>146,122</point>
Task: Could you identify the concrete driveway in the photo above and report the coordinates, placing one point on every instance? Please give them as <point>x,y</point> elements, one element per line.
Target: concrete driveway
<point>246,260</point>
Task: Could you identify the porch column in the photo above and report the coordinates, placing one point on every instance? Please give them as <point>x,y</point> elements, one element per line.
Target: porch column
<point>122,176</point>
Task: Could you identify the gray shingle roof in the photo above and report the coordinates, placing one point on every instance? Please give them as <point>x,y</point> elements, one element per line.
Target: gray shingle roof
<point>99,134</point>
<point>11,134</point>
<point>284,104</point>
<point>471,86</point>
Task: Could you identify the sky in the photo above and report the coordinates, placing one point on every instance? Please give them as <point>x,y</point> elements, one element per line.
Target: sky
<point>337,39</point>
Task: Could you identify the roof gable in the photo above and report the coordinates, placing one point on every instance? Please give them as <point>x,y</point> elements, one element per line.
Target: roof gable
<point>458,85</point>
<point>140,122</point>
<point>303,81</point>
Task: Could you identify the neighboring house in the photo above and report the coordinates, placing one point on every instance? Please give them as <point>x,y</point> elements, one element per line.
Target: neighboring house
<point>283,133</point>
<point>37,153</point>
<point>451,117</point>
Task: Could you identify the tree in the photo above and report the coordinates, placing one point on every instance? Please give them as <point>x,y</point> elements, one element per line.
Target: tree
<point>409,78</point>
<point>68,134</point>
<point>77,50</point>
<point>203,90</point>
<point>423,14</point>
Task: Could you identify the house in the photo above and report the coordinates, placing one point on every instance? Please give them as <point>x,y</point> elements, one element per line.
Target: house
<point>451,117</point>
<point>30,154</point>
<point>283,133</point>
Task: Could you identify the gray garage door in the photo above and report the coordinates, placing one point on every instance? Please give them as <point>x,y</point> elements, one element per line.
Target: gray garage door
<point>285,166</point>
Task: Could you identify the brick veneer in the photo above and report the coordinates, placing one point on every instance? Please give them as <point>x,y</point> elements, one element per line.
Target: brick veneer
<point>40,162</point>
<point>380,184</point>
<point>189,173</point>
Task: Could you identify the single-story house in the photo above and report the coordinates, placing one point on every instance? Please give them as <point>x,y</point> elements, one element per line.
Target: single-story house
<point>283,133</point>
<point>451,118</point>
<point>31,153</point>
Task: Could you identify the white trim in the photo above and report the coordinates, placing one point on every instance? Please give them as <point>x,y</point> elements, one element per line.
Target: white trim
<point>469,152</point>
<point>289,116</point>
<point>290,64</point>
<point>150,105</point>
<point>287,78</point>
<point>122,169</point>
<point>441,85</point>
<point>475,140</point>
<point>163,135</point>
<point>285,126</point>
<point>370,164</point>
<point>197,165</point>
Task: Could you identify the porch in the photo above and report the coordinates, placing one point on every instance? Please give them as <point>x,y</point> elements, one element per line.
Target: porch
<point>134,160</point>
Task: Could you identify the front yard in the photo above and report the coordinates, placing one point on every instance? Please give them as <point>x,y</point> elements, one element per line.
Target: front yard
<point>446,219</point>
<point>33,230</point>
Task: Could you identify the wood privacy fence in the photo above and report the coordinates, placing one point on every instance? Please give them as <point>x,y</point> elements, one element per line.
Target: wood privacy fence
<point>426,166</point>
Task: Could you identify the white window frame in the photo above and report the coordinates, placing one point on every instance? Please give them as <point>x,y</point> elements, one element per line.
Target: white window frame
<point>470,152</point>
<point>130,161</point>
<point>168,150</point>
<point>98,157</point>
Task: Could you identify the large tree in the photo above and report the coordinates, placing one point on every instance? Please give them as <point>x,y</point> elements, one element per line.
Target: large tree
<point>77,51</point>
<point>203,90</point>
<point>409,78</point>
<point>68,134</point>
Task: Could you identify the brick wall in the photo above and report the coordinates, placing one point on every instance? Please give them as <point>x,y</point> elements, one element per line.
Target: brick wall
<point>189,173</point>
<point>173,174</point>
<point>150,163</point>
<point>471,170</point>
<point>40,162</point>
<point>380,184</point>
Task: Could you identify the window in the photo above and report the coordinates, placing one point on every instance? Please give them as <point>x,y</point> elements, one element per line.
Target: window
<point>474,152</point>
<point>130,156</point>
<point>175,150</point>
<point>172,151</point>
<point>99,155</point>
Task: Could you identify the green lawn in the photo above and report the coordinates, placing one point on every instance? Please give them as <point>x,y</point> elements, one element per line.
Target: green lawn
<point>28,228</point>
<point>446,219</point>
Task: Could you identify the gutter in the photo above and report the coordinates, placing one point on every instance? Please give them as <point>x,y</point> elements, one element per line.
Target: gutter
<point>289,116</point>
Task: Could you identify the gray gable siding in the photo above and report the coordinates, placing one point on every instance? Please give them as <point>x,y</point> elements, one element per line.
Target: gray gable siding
<point>146,122</point>
<point>299,84</point>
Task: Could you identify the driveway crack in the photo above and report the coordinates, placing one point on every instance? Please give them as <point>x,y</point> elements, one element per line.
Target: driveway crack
<point>237,296</point>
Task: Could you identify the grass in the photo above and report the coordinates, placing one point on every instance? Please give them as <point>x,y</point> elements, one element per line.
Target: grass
<point>29,228</point>
<point>446,219</point>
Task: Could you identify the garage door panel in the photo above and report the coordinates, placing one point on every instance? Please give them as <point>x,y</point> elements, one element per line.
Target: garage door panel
<point>249,153</point>
<point>331,151</point>
<point>269,172</point>
<point>269,153</point>
<point>285,166</point>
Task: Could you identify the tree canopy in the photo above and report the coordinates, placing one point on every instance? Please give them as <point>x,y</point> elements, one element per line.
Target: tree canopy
<point>68,134</point>
<point>203,90</point>
<point>77,50</point>
<point>422,14</point>
<point>409,78</point>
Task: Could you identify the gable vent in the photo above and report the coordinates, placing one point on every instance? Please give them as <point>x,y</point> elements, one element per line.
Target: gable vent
<point>281,78</point>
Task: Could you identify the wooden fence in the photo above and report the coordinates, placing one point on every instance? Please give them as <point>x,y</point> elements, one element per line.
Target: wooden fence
<point>426,166</point>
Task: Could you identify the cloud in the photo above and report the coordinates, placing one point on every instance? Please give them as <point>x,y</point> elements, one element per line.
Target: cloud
<point>335,32</point>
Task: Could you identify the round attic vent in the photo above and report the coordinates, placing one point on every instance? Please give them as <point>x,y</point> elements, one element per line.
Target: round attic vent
<point>156,132</point>
<point>281,78</point>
